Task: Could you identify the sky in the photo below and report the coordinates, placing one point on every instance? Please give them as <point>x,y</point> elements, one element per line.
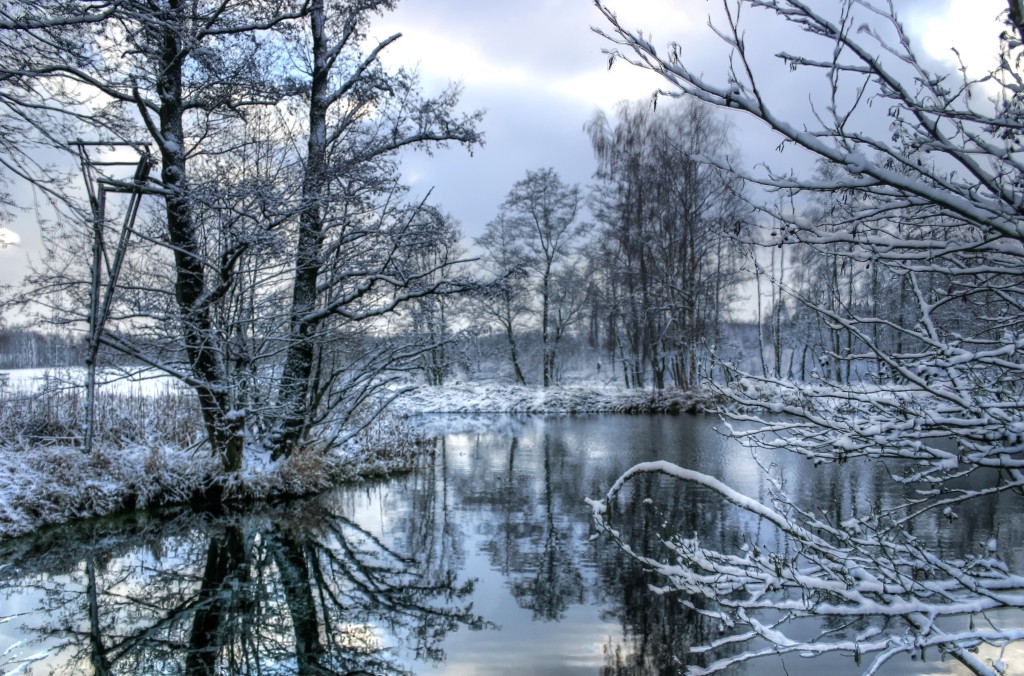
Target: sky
<point>537,70</point>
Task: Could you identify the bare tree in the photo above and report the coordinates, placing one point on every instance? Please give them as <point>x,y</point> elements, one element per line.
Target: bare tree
<point>669,221</point>
<point>568,305</point>
<point>178,71</point>
<point>359,115</point>
<point>432,318</point>
<point>935,202</point>
<point>505,302</point>
<point>277,236</point>
<point>542,211</point>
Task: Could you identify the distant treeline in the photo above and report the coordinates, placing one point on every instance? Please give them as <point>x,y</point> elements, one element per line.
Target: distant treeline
<point>471,356</point>
<point>22,347</point>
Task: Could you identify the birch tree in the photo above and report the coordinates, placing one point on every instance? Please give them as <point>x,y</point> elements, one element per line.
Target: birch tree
<point>432,319</point>
<point>543,212</point>
<point>934,201</point>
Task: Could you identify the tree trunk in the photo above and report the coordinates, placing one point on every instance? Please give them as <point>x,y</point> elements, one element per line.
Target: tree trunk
<point>513,353</point>
<point>293,396</point>
<point>224,430</point>
<point>548,359</point>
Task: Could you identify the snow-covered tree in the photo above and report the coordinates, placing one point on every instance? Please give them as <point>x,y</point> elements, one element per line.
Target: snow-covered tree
<point>172,72</point>
<point>360,115</point>
<point>284,231</point>
<point>542,212</point>
<point>935,390</point>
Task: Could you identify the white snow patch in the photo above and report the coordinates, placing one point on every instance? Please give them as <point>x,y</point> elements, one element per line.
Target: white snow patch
<point>517,399</point>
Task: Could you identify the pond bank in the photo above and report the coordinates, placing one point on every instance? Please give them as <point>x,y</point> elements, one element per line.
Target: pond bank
<point>573,399</point>
<point>45,482</point>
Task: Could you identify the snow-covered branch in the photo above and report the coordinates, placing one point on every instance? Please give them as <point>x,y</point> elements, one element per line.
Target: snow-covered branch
<point>906,290</point>
<point>859,572</point>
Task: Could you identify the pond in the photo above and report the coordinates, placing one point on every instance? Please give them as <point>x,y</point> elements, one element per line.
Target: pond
<point>481,562</point>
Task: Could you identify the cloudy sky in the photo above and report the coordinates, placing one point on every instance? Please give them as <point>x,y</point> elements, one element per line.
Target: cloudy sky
<point>537,69</point>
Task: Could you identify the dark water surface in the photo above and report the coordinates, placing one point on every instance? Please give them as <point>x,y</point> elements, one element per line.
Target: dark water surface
<point>482,562</point>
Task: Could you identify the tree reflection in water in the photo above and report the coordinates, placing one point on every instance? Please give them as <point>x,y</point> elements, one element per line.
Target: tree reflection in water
<point>537,537</point>
<point>371,578</point>
<point>533,542</point>
<point>658,630</point>
<point>299,590</point>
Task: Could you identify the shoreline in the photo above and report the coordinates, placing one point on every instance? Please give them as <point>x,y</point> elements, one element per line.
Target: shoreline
<point>47,484</point>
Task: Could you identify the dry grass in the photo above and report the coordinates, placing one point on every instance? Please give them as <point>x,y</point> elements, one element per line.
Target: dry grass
<point>56,417</point>
<point>148,452</point>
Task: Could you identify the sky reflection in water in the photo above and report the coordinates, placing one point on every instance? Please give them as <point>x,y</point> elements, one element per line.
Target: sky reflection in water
<point>482,562</point>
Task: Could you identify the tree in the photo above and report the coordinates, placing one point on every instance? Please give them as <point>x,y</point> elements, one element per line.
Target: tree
<point>263,255</point>
<point>359,116</point>
<point>178,70</point>
<point>431,316</point>
<point>505,302</point>
<point>937,394</point>
<point>542,211</point>
<point>568,304</point>
<point>669,222</point>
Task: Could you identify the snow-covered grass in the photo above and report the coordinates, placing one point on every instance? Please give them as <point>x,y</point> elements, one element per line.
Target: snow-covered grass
<point>56,416</point>
<point>490,398</point>
<point>50,484</point>
<point>149,452</point>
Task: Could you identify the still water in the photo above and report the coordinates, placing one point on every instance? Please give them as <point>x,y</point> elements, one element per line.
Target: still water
<point>481,562</point>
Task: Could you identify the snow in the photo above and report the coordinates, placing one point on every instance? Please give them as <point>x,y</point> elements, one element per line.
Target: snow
<point>491,398</point>
<point>53,484</point>
<point>144,382</point>
<point>47,481</point>
<point>851,574</point>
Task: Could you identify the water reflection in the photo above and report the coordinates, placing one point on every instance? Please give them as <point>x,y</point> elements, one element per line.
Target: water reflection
<point>534,549</point>
<point>301,589</point>
<point>492,534</point>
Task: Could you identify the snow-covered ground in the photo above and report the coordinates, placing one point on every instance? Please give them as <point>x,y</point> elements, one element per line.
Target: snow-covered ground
<point>44,485</point>
<point>489,398</point>
<point>144,382</point>
<point>49,482</point>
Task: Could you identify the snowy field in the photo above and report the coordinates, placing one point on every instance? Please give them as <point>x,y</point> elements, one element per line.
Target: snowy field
<point>137,382</point>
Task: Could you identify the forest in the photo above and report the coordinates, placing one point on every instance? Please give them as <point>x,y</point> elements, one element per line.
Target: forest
<point>259,246</point>
<point>245,231</point>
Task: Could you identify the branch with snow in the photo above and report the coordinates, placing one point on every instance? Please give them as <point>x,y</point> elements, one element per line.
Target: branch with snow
<point>908,291</point>
<point>890,593</point>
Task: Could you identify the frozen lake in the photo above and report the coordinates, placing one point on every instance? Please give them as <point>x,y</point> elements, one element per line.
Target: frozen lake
<point>482,562</point>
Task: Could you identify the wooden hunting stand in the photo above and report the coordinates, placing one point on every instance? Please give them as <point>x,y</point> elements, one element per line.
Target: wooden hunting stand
<point>106,265</point>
